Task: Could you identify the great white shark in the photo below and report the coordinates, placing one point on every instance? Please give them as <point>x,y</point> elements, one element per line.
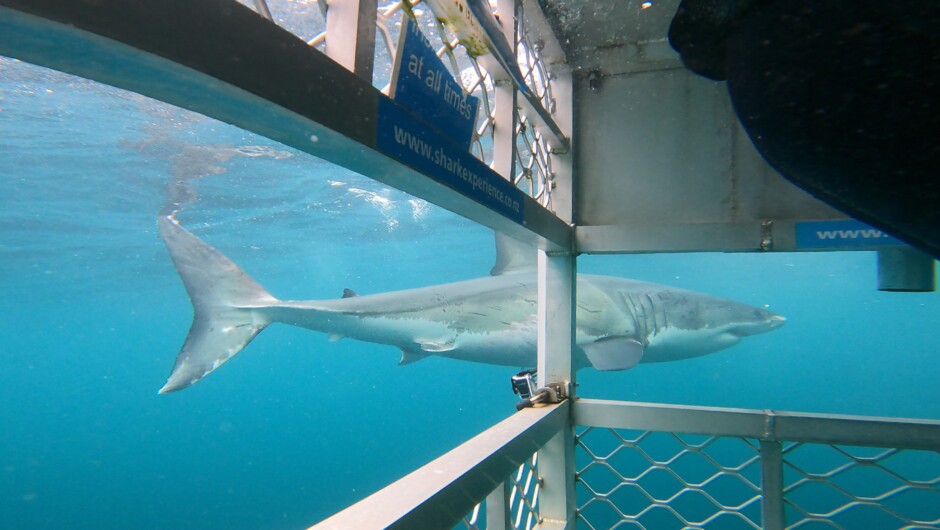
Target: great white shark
<point>619,322</point>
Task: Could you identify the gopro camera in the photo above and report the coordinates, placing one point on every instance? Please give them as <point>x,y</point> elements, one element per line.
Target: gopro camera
<point>524,383</point>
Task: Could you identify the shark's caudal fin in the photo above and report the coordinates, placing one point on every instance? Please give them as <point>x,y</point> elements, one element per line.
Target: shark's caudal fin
<point>225,302</point>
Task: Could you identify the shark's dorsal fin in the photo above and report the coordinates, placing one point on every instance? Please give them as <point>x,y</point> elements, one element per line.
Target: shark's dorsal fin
<point>513,255</point>
<point>349,293</point>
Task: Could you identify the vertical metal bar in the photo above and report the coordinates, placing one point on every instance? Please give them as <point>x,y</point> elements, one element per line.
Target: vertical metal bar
<point>561,108</point>
<point>556,295</point>
<point>563,193</point>
<point>504,128</point>
<point>498,516</point>
<point>350,35</point>
<point>556,468</point>
<point>557,280</point>
<point>772,512</point>
<point>504,143</point>
<point>261,6</point>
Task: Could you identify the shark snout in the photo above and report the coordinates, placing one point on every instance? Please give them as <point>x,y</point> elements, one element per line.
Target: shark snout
<point>764,322</point>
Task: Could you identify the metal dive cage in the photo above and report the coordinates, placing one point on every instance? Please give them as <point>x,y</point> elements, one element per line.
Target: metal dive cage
<point>551,123</point>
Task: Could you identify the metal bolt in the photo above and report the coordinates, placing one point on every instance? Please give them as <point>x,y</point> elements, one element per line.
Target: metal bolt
<point>767,235</point>
<point>594,80</point>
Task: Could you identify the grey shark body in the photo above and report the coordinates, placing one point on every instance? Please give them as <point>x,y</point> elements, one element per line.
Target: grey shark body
<point>491,320</point>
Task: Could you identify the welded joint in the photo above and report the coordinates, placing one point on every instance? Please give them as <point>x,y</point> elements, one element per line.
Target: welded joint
<point>770,426</point>
<point>546,523</point>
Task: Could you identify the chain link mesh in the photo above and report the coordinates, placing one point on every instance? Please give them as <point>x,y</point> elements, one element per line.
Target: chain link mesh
<point>523,503</point>
<point>533,167</point>
<point>534,174</point>
<point>524,495</point>
<point>845,487</point>
<point>538,77</point>
<point>653,480</point>
<point>641,479</point>
<point>473,520</point>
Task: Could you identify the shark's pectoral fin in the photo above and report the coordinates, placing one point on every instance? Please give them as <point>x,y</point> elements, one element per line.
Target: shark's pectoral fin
<point>408,357</point>
<point>335,337</point>
<point>614,353</point>
<point>438,346</point>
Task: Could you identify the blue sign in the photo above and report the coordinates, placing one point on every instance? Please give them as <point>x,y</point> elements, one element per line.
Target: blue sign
<point>846,233</point>
<point>412,142</point>
<point>422,83</point>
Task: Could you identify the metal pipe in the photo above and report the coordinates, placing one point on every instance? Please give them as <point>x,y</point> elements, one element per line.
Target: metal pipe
<point>906,269</point>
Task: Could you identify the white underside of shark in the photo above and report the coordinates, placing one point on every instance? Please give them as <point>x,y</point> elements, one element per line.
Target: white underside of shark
<point>619,322</point>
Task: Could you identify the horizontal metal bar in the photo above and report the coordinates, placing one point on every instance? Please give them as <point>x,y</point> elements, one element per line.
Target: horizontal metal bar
<point>627,57</point>
<point>533,109</point>
<point>440,493</point>
<point>866,431</point>
<point>669,418</point>
<point>743,236</point>
<point>704,237</point>
<point>699,237</point>
<point>219,58</point>
<point>901,433</point>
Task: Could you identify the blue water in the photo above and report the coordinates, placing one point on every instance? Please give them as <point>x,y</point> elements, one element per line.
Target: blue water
<point>297,427</point>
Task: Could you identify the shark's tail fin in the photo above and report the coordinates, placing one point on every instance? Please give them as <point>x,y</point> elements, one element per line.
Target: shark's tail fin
<point>226,303</point>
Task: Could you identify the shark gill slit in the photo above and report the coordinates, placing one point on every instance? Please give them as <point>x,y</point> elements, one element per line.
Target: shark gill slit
<point>639,320</point>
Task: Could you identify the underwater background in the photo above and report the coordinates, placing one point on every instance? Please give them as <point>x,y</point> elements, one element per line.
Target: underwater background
<point>297,427</point>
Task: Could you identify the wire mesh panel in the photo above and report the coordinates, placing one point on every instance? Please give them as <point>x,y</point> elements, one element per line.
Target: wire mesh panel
<point>845,487</point>
<point>646,479</point>
<point>533,172</point>
<point>537,74</point>
<point>475,520</point>
<point>522,505</point>
<point>642,479</point>
<point>524,495</point>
